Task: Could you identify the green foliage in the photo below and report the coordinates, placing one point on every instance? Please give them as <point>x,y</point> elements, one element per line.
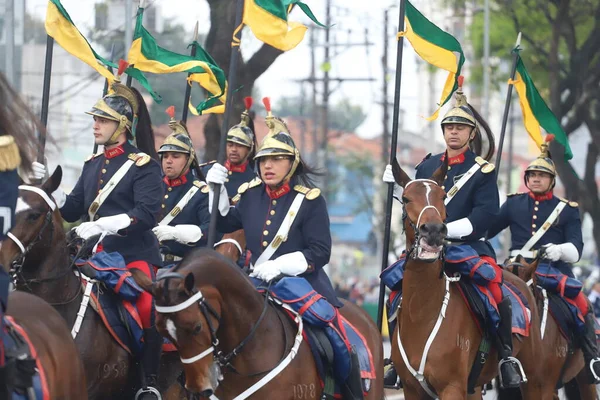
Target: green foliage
<point>343,116</point>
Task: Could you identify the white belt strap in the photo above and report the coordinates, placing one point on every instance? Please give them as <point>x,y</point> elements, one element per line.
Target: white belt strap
<point>110,186</point>
<point>283,231</point>
<point>461,182</point>
<point>181,204</point>
<point>545,226</point>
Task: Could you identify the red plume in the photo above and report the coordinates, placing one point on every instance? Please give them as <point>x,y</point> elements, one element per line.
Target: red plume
<point>248,102</point>
<point>549,137</point>
<point>267,103</point>
<point>460,80</point>
<point>171,112</point>
<point>122,67</point>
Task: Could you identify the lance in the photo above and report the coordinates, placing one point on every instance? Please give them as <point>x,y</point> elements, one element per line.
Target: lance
<point>188,89</point>
<point>394,144</point>
<point>232,78</point>
<point>513,72</point>
<point>45,96</point>
<point>105,90</point>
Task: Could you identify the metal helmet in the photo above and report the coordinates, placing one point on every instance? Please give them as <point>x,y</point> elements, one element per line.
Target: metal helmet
<point>120,104</point>
<point>278,141</point>
<point>179,141</point>
<point>543,163</point>
<point>242,133</point>
<point>461,113</point>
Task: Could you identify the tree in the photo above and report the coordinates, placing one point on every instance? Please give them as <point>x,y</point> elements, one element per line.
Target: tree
<point>561,41</point>
<point>218,45</point>
<point>344,116</point>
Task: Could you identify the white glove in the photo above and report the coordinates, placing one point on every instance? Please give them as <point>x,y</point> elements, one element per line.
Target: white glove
<point>388,177</point>
<point>60,197</point>
<point>107,225</point>
<point>218,175</point>
<point>38,171</point>
<point>566,252</point>
<point>291,264</point>
<point>459,229</point>
<point>185,234</point>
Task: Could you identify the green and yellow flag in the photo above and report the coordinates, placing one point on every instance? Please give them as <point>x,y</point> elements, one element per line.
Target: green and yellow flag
<point>60,27</point>
<point>146,55</point>
<point>435,46</point>
<point>268,20</point>
<point>536,113</point>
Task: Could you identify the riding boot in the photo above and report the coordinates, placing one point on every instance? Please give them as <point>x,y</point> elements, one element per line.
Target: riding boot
<point>353,389</point>
<point>589,347</point>
<point>150,365</point>
<point>510,370</point>
<point>391,380</point>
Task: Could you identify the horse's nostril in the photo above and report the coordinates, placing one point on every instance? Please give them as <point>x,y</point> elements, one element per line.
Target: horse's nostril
<point>207,393</point>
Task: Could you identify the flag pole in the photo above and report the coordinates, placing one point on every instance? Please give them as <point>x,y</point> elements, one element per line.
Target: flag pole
<point>188,89</point>
<point>45,96</point>
<point>513,72</point>
<point>105,90</point>
<point>394,144</point>
<point>231,83</point>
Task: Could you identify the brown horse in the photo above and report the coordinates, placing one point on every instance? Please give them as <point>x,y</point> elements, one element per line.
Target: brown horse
<point>223,322</point>
<point>56,355</point>
<point>232,245</point>
<point>558,363</point>
<point>43,267</point>
<point>431,301</point>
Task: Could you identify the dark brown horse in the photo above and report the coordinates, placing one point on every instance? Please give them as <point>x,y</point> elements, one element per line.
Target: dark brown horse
<point>558,363</point>
<point>44,268</point>
<point>220,307</point>
<point>431,301</point>
<point>56,355</point>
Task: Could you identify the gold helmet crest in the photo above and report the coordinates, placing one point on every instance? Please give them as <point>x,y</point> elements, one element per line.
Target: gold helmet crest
<point>179,141</point>
<point>243,133</point>
<point>543,162</point>
<point>461,113</point>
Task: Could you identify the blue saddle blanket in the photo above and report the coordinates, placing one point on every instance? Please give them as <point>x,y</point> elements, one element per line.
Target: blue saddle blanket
<point>555,281</point>
<point>16,342</point>
<point>318,312</point>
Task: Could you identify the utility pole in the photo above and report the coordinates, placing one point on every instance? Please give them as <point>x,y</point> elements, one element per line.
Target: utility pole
<point>486,59</point>
<point>128,26</point>
<point>9,42</point>
<point>325,106</point>
<point>386,115</point>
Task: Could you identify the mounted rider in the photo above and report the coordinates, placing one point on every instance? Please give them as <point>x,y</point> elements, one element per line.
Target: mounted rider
<point>241,148</point>
<point>184,217</point>
<point>540,220</point>
<point>117,197</point>
<point>471,203</point>
<point>284,218</point>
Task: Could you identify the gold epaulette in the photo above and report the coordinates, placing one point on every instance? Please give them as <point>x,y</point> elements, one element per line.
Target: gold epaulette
<point>9,153</point>
<point>140,159</point>
<point>573,204</point>
<point>486,167</point>
<point>243,187</point>
<point>203,188</point>
<point>515,194</point>
<point>92,156</point>
<point>310,194</point>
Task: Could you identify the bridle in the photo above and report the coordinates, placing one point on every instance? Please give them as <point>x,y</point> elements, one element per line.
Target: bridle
<point>414,250</point>
<point>17,263</point>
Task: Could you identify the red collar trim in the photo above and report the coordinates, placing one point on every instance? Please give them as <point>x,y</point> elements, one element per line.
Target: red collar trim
<point>541,197</point>
<point>182,180</point>
<point>277,193</point>
<point>112,153</point>
<point>459,159</point>
<point>236,168</point>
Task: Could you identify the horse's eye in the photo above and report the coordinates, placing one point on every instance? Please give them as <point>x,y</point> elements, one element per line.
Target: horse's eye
<point>197,329</point>
<point>405,200</point>
<point>33,216</point>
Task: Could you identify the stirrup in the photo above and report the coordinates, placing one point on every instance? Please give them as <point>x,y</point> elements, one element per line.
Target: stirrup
<point>592,370</point>
<point>510,359</point>
<point>150,390</point>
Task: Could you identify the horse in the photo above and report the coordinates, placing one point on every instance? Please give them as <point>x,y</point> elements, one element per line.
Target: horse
<point>433,317</point>
<point>39,259</point>
<point>558,363</point>
<point>217,319</point>
<point>57,357</point>
<point>232,245</point>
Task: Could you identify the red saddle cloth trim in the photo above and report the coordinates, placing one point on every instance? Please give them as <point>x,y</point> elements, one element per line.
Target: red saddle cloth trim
<point>32,350</point>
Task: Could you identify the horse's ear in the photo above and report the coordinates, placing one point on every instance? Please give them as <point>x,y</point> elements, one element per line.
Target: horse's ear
<point>520,259</point>
<point>440,174</point>
<point>54,181</point>
<point>400,176</point>
<point>190,283</point>
<point>142,279</point>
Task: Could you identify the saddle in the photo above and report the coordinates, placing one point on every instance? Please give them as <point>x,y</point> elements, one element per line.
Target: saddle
<point>22,374</point>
